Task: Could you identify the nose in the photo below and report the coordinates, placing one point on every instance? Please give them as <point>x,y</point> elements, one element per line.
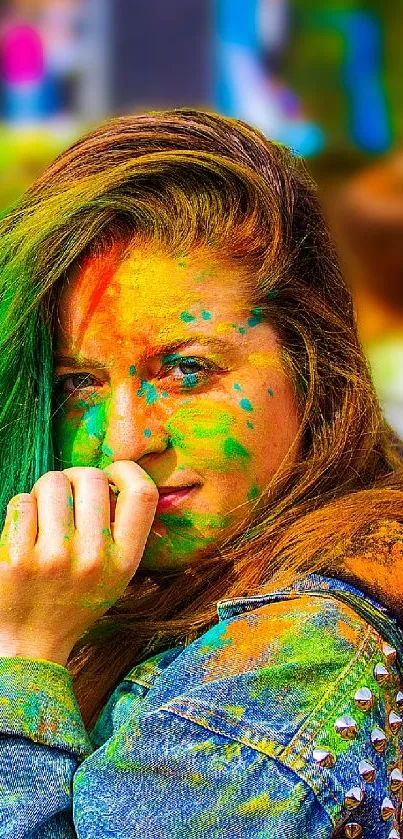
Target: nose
<point>134,428</point>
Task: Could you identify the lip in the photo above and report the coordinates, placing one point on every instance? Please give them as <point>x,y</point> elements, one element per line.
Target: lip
<point>173,496</point>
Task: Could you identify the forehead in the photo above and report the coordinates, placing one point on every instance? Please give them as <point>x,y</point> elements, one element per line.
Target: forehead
<point>146,291</point>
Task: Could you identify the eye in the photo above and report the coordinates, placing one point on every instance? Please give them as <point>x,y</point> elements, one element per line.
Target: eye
<point>189,372</point>
<point>74,383</point>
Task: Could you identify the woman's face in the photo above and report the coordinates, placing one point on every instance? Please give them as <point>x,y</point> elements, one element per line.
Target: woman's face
<point>162,361</point>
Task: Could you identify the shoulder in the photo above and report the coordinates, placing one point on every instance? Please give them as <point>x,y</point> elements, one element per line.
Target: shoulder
<point>309,629</point>
<point>271,668</point>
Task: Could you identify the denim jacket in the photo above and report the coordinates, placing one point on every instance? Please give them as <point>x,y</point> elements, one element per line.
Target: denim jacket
<point>283,721</point>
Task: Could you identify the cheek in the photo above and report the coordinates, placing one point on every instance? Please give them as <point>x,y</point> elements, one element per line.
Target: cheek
<point>79,435</point>
<point>211,435</point>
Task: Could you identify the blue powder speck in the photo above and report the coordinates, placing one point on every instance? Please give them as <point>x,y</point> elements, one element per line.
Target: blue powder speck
<point>132,370</point>
<point>246,405</point>
<point>206,315</point>
<point>147,432</point>
<point>149,391</point>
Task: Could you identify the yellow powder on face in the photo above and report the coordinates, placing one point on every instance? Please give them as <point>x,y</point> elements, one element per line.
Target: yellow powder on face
<point>264,359</point>
<point>223,327</point>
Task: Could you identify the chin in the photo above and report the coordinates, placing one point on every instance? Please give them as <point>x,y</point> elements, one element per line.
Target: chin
<point>168,553</point>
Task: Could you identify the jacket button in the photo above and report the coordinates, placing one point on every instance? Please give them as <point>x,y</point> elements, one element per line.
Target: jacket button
<point>364,699</point>
<point>378,740</point>
<point>387,809</point>
<point>323,758</point>
<point>389,652</point>
<point>346,727</point>
<point>395,722</point>
<point>399,700</point>
<point>354,797</point>
<point>367,771</point>
<point>353,830</point>
<point>395,780</point>
<point>381,674</point>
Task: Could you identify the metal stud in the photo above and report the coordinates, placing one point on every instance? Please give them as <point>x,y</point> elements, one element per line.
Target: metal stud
<point>394,834</point>
<point>323,758</point>
<point>395,780</point>
<point>364,699</point>
<point>399,700</point>
<point>367,771</point>
<point>354,797</point>
<point>387,809</point>
<point>352,830</point>
<point>346,727</point>
<point>378,740</point>
<point>389,652</point>
<point>395,722</point>
<point>381,674</point>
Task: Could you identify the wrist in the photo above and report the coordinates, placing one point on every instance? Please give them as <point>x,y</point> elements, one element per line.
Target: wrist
<point>44,650</point>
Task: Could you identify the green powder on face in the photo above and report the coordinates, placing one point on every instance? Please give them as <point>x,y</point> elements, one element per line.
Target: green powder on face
<point>253,493</point>
<point>186,317</point>
<point>233,449</point>
<point>246,405</point>
<point>147,432</point>
<point>270,391</point>
<point>256,317</point>
<point>206,315</point>
<point>237,387</point>
<point>240,329</point>
<point>249,424</point>
<point>79,439</point>
<point>191,423</point>
<point>132,370</point>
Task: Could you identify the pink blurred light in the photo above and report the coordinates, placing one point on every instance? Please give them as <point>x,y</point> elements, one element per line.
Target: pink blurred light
<point>23,59</point>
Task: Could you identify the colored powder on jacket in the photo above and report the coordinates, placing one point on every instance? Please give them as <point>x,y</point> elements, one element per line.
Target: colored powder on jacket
<point>281,720</point>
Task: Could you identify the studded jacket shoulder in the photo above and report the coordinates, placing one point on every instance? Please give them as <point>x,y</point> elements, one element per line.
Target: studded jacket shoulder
<point>284,720</point>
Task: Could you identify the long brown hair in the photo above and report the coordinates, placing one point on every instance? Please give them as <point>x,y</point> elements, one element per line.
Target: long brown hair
<point>183,179</point>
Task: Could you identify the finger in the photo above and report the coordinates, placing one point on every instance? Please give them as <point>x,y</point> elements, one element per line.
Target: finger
<point>91,502</point>
<point>135,508</point>
<point>19,534</point>
<point>55,513</point>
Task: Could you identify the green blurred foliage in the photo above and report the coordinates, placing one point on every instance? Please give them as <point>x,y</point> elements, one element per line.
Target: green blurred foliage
<point>24,154</point>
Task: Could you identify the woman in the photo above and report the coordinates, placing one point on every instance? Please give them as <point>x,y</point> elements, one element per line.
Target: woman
<point>189,429</point>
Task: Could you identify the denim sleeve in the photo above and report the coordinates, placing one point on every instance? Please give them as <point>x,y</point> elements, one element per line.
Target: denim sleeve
<point>42,741</point>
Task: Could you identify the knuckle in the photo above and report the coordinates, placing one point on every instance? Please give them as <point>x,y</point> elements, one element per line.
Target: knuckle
<point>89,472</point>
<point>52,560</point>
<point>21,499</point>
<point>19,563</point>
<point>90,555</point>
<point>50,479</point>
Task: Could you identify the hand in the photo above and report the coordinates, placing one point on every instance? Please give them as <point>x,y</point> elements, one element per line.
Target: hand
<point>62,562</point>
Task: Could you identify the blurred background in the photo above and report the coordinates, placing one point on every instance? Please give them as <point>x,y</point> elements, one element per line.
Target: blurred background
<point>322,76</point>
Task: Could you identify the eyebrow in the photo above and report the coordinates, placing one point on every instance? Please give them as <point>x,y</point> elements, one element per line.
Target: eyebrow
<point>80,362</point>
